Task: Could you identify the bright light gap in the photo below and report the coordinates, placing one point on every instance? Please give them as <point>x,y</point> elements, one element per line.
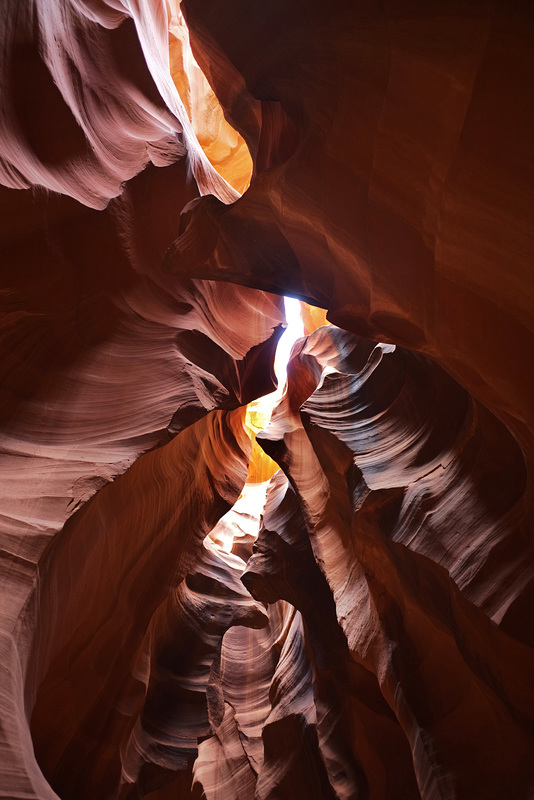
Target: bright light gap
<point>252,499</point>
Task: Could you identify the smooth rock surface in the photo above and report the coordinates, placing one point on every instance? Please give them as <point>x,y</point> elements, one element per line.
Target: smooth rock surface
<point>380,642</point>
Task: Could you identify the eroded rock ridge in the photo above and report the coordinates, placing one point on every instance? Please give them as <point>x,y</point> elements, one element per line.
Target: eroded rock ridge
<point>369,633</point>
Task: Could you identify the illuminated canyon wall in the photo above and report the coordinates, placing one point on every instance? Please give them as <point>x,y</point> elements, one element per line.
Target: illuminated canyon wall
<point>371,635</point>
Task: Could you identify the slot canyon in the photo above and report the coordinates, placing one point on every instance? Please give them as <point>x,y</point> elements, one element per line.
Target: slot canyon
<point>223,577</point>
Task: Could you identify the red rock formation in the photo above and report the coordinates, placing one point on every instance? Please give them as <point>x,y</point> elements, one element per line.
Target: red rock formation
<point>392,182</point>
<point>181,651</point>
<point>381,536</point>
<point>224,147</point>
<point>392,187</point>
<point>359,739</point>
<point>103,359</point>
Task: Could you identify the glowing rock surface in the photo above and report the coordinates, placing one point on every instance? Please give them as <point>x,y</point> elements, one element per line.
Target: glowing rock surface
<point>370,635</point>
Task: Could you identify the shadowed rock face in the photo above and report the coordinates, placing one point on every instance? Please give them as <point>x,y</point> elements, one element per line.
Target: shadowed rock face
<point>390,185</point>
<point>182,650</point>
<point>437,656</point>
<point>380,643</point>
<point>345,696</point>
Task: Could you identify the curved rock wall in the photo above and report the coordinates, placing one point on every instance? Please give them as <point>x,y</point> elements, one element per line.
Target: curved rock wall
<point>383,537</point>
<point>392,183</point>
<point>380,641</point>
<point>103,359</point>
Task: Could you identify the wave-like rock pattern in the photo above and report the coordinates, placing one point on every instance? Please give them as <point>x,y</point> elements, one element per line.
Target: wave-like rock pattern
<point>98,74</point>
<point>391,187</point>
<point>97,600</point>
<point>269,731</point>
<point>464,477</point>
<point>443,666</point>
<point>358,738</point>
<point>178,661</point>
<point>103,360</point>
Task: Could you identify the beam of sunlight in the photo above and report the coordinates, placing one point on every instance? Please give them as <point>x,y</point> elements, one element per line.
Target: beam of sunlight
<point>294,331</point>
<point>301,320</point>
<point>245,514</point>
<point>259,412</point>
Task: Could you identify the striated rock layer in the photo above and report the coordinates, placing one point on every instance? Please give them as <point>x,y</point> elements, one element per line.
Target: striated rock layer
<point>376,639</point>
<point>392,175</point>
<point>383,533</point>
<point>103,359</point>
